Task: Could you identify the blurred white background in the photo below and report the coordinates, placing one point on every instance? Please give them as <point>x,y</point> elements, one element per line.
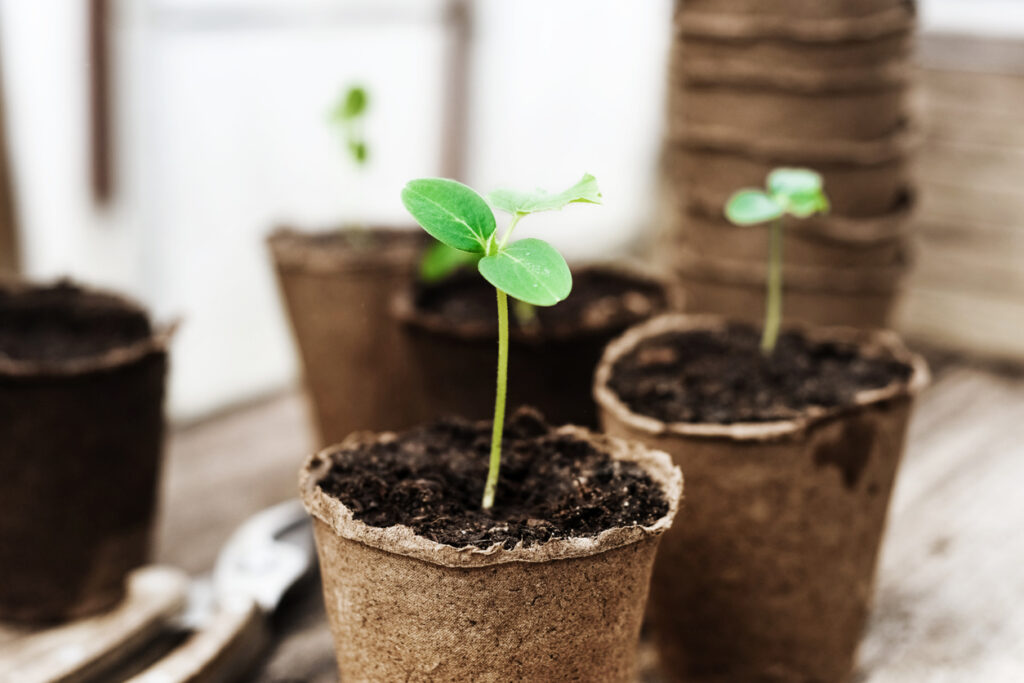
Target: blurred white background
<point>221,133</point>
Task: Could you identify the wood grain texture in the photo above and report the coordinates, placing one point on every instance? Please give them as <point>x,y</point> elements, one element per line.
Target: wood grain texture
<point>967,290</point>
<point>949,588</point>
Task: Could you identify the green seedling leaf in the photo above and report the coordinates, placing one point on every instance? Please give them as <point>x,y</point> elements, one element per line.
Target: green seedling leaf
<point>798,190</point>
<point>748,207</point>
<point>807,205</point>
<point>794,182</point>
<point>358,150</point>
<point>522,203</point>
<point>451,212</point>
<point>530,270</point>
<point>352,104</point>
<point>439,261</point>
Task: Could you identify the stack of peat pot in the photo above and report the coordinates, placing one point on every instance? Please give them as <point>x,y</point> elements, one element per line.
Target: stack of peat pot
<point>823,84</point>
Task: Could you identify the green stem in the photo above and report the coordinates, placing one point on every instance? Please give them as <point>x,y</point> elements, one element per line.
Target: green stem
<point>511,226</point>
<point>499,402</point>
<point>773,304</point>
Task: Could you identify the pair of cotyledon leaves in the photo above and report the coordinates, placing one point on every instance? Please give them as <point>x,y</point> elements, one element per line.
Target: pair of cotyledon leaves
<point>350,107</point>
<point>530,270</point>
<point>794,191</point>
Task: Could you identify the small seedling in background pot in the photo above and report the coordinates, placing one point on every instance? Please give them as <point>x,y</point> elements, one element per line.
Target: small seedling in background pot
<point>348,113</point>
<point>529,270</point>
<point>796,192</point>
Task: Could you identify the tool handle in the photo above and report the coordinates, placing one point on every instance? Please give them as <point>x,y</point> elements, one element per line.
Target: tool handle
<point>221,651</point>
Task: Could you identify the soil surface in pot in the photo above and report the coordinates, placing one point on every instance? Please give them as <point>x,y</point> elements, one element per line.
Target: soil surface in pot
<point>721,376</point>
<point>63,322</point>
<point>600,299</point>
<point>552,485</point>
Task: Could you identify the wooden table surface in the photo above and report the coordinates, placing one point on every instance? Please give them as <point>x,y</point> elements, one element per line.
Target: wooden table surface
<point>951,576</point>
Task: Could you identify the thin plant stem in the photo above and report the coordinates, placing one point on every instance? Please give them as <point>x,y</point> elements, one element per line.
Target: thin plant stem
<point>499,402</point>
<point>511,226</point>
<point>773,302</point>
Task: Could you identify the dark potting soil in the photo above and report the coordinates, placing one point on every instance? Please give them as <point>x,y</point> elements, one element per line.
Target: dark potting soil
<point>721,377</point>
<point>552,486</point>
<point>600,299</point>
<point>63,322</point>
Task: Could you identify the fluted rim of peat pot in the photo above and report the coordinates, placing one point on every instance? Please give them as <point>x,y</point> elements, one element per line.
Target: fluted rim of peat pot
<point>880,279</point>
<point>805,80</point>
<point>405,311</point>
<point>871,342</point>
<point>750,26</point>
<point>834,229</point>
<point>301,250</point>
<point>900,143</point>
<point>156,343</point>
<point>402,540</point>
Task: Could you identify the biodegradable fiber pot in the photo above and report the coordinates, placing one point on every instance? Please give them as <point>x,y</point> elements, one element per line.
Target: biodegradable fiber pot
<point>453,337</point>
<point>822,112</point>
<point>81,394</point>
<point>795,20</point>
<point>869,181</point>
<point>767,58</point>
<point>822,241</point>
<point>404,607</point>
<point>862,297</point>
<point>804,9</point>
<point>771,576</point>
<point>337,287</point>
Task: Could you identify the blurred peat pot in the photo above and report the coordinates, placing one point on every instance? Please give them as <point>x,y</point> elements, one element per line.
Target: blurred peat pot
<point>81,393</point>
<point>403,606</point>
<point>553,351</point>
<point>338,288</point>
<point>773,569</point>
<point>758,85</point>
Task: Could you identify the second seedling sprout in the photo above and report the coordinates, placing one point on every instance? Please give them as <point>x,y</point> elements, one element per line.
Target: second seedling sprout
<point>797,192</point>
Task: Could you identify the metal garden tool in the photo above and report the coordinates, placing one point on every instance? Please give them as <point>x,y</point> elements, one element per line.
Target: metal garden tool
<point>209,629</point>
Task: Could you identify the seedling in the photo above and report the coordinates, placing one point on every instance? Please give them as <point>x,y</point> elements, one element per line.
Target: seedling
<point>796,192</point>
<point>348,114</point>
<point>529,270</point>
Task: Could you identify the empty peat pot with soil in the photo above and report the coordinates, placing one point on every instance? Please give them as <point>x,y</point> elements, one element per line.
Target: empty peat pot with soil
<point>337,286</point>
<point>553,351</point>
<point>549,584</point>
<point>81,394</point>
<point>790,457</point>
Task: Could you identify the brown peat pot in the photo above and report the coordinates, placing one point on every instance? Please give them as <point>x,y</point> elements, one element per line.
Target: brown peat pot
<point>771,576</point>
<point>813,22</point>
<point>405,607</point>
<point>856,188</point>
<point>747,113</point>
<point>862,297</point>
<point>799,9</point>
<point>453,335</point>
<point>774,61</point>
<point>337,287</point>
<point>823,241</point>
<point>81,393</point>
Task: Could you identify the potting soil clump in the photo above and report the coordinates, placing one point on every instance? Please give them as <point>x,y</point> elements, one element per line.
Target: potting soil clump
<point>552,486</point>
<point>63,322</point>
<point>722,377</point>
